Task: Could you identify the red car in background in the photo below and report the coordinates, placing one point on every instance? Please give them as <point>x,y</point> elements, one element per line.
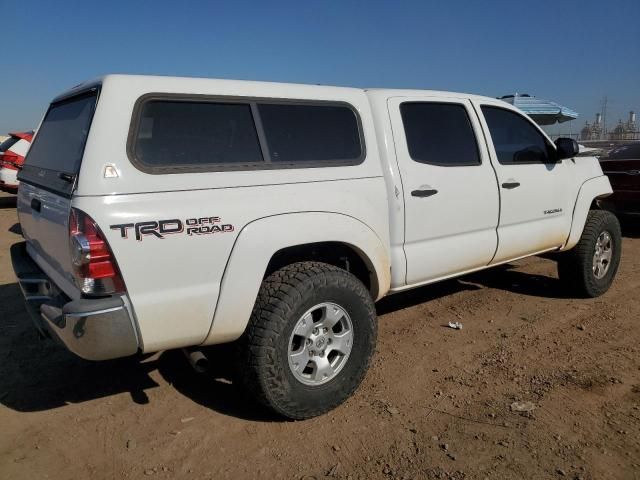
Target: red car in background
<point>12,153</point>
<point>622,166</point>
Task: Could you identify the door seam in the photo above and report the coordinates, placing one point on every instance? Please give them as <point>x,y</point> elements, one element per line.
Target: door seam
<point>495,175</point>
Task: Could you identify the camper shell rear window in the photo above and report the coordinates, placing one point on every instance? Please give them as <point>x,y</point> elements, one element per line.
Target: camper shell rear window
<point>180,134</point>
<point>54,158</point>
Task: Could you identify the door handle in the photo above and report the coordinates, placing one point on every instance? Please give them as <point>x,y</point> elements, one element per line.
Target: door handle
<point>510,185</point>
<point>36,204</point>
<point>423,193</point>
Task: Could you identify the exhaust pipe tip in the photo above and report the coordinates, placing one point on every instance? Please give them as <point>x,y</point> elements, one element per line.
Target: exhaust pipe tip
<point>198,360</point>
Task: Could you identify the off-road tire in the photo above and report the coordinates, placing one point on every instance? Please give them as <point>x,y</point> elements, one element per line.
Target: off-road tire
<point>262,356</point>
<point>575,267</point>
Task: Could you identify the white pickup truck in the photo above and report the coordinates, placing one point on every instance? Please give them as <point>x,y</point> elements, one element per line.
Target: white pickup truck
<point>162,213</point>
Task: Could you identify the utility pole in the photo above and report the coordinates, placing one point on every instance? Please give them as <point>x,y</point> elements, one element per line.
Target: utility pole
<point>603,111</point>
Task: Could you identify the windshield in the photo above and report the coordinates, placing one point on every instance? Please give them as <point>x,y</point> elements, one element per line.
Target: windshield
<point>626,151</point>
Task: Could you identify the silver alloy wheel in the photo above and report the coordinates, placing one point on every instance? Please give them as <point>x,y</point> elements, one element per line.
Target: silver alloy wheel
<point>320,344</point>
<point>602,255</point>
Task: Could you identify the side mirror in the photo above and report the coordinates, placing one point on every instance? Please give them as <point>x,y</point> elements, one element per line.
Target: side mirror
<point>567,148</point>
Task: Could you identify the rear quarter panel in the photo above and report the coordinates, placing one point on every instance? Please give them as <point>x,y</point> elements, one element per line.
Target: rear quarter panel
<point>174,282</point>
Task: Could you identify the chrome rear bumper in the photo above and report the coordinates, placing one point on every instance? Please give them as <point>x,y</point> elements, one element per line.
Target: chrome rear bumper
<point>94,329</point>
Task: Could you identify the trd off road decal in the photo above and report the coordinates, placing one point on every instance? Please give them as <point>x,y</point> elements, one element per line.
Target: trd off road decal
<point>160,228</point>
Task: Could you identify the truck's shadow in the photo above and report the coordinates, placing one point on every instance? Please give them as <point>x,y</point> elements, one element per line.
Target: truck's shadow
<point>40,375</point>
<point>630,227</point>
<point>8,202</point>
<point>504,277</point>
<point>213,389</point>
<point>416,296</point>
<point>37,374</point>
<point>501,277</point>
<point>16,229</point>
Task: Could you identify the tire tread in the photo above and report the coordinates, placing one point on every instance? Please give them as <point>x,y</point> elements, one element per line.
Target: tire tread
<point>574,266</point>
<point>257,360</point>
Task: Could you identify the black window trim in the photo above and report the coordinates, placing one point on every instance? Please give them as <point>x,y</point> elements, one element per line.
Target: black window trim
<point>460,103</point>
<point>253,102</point>
<point>531,122</point>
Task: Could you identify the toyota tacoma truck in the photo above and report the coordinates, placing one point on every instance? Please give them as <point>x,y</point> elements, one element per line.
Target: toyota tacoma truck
<point>176,213</point>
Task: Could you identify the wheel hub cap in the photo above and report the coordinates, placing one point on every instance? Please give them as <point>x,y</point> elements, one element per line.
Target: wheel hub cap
<point>320,344</point>
<point>602,255</point>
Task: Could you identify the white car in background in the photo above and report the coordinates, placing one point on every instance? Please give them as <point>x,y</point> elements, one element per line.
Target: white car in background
<point>12,153</point>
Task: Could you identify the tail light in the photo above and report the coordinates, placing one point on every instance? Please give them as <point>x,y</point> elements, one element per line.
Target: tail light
<point>10,161</point>
<point>96,271</point>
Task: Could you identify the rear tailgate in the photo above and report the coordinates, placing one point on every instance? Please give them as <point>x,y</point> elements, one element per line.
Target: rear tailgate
<point>47,183</point>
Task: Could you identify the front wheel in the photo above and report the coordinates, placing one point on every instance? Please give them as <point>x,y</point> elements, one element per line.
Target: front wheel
<point>309,341</point>
<point>590,267</point>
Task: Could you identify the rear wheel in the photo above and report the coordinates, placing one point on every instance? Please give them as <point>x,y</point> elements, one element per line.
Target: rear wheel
<point>590,267</point>
<point>309,341</point>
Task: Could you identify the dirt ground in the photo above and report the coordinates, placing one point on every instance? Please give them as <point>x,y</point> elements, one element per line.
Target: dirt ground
<point>437,402</point>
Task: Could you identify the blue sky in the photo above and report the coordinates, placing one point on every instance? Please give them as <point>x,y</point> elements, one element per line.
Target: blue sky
<point>573,52</point>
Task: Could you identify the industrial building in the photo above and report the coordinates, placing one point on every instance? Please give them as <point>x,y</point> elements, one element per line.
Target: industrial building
<point>622,131</point>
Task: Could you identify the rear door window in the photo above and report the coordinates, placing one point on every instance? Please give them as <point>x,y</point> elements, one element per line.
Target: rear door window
<point>439,134</point>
